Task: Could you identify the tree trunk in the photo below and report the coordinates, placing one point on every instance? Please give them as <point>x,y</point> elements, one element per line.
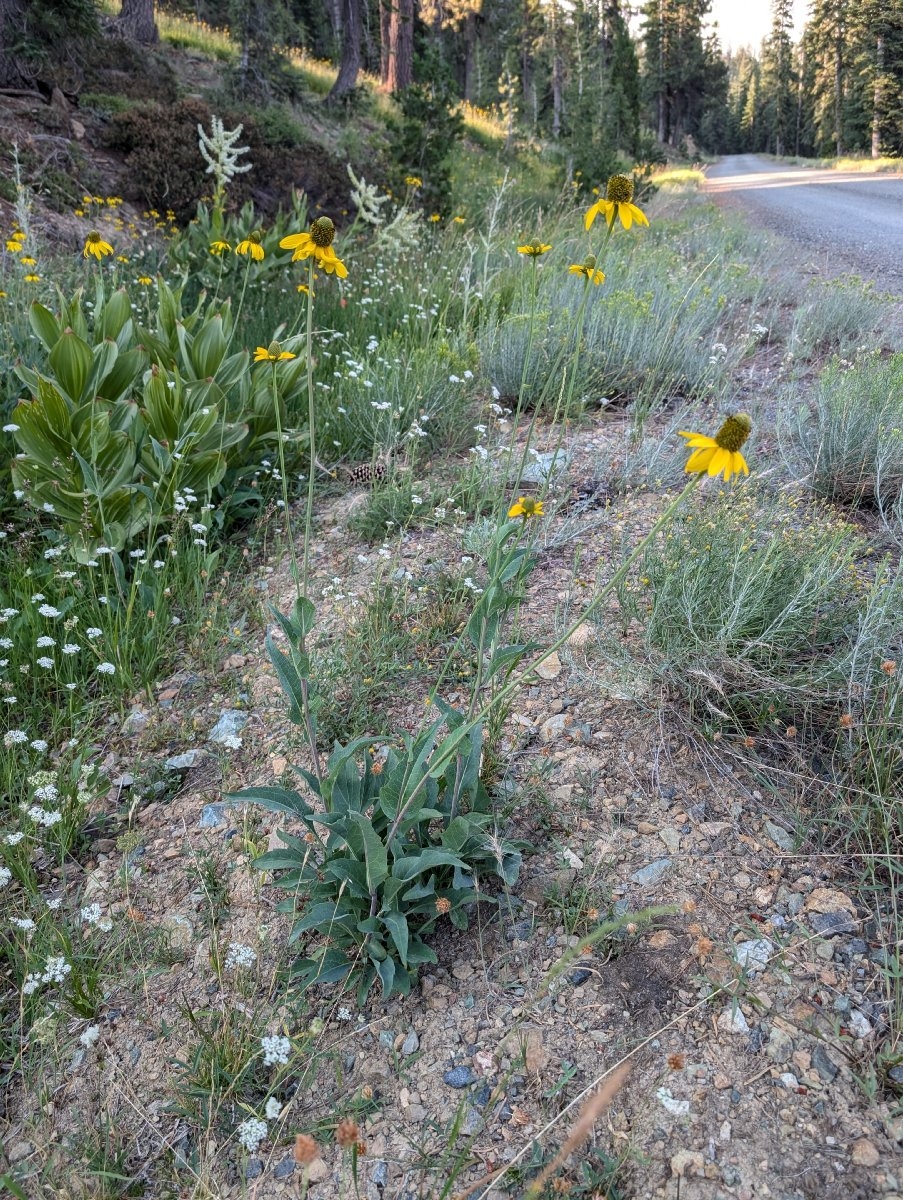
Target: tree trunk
<point>136,22</point>
<point>12,29</point>
<point>350,65</point>
<point>385,39</point>
<point>400,58</point>
<point>876,98</point>
<point>838,94</point>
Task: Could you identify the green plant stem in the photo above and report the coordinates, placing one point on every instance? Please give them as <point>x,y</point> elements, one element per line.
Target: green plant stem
<point>285,501</point>
<point>311,422</point>
<point>449,747</point>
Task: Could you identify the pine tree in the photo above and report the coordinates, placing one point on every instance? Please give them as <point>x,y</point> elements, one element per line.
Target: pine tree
<point>778,78</point>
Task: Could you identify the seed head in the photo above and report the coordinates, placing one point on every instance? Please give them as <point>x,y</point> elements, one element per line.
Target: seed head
<point>733,433</point>
<point>620,189</point>
<point>306,1149</point>
<point>347,1133</point>
<point>322,232</point>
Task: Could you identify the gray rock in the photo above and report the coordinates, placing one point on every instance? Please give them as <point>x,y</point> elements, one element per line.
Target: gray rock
<point>795,904</point>
<point>411,1044</point>
<point>580,975</point>
<point>459,1077</point>
<point>179,929</point>
<point>254,1169</point>
<point>541,467</point>
<point>122,781</point>
<point>230,724</point>
<point>858,946</point>
<point>671,838</point>
<point>136,722</point>
<point>823,1063</point>
<point>284,1169</point>
<point>832,923</point>
<point>520,930</point>
<point>753,954</point>
<point>184,762</point>
<point>474,1122</point>
<point>652,873</point>
<point>790,1081</point>
<point>386,1039</point>
<point>860,1025</point>
<point>380,1173</point>
<point>212,815</point>
<point>895,1074</point>
<point>842,1004</point>
<point>782,839</point>
<point>554,727</point>
<point>780,1045</point>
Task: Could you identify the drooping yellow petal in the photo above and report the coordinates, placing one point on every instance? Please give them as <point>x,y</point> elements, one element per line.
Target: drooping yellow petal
<point>638,215</point>
<point>295,241</point>
<point>697,440</point>
<point>699,460</point>
<point>624,212</point>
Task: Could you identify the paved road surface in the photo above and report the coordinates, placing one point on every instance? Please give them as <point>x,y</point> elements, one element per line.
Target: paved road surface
<point>846,222</point>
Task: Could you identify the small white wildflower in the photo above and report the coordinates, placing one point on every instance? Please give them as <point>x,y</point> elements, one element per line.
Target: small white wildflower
<point>454,379</point>
<point>239,955</point>
<point>90,1036</point>
<point>47,793</point>
<point>93,632</point>
<point>10,428</point>
<point>91,914</point>
<point>56,970</point>
<point>343,1014</point>
<point>251,1133</point>
<point>52,552</point>
<point>41,816</point>
<point>54,903</point>
<point>276,1049</point>
<point>45,641</point>
<point>13,839</point>
<point>45,662</point>
<point>199,527</point>
<point>273,1109</point>
<point>71,648</point>
<point>15,737</point>
<point>5,876</point>
<point>31,984</point>
<point>36,597</point>
<point>231,741</point>
<point>106,668</point>
<point>6,643</point>
<point>47,610</point>
<point>159,564</point>
<point>47,507</point>
<point>24,923</point>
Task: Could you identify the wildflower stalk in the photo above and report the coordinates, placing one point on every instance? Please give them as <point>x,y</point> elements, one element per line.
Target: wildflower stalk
<point>311,422</point>
<point>447,750</point>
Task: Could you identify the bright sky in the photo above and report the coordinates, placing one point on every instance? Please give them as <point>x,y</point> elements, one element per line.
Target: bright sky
<point>747,22</point>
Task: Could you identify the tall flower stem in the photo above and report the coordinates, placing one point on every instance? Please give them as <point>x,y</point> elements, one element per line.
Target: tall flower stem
<point>448,748</point>
<point>311,424</point>
<point>280,449</point>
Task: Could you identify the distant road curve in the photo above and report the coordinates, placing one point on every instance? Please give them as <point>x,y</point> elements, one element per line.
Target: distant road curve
<point>845,222</point>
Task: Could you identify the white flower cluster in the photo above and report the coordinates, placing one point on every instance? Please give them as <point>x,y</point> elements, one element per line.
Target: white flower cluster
<point>55,971</point>
<point>276,1050</point>
<point>220,153</point>
<point>251,1133</point>
<point>367,199</point>
<point>239,956</point>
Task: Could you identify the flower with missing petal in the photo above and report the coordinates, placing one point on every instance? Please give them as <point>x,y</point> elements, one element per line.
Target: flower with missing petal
<point>219,246</point>
<point>526,507</point>
<point>588,270</point>
<point>272,353</point>
<point>617,204</point>
<point>534,249</point>
<point>722,452</point>
<point>251,245</point>
<point>317,244</point>
<point>96,246</point>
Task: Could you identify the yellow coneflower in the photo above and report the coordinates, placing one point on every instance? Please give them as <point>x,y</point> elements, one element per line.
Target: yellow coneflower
<point>413,181</point>
<point>317,244</point>
<point>96,246</point>
<point>534,249</point>
<point>617,203</point>
<point>588,270</point>
<point>145,280</point>
<point>219,247</point>
<point>15,245</point>
<point>272,353</point>
<point>526,507</point>
<point>435,217</point>
<point>251,245</point>
<point>28,261</point>
<point>32,278</point>
<point>722,452</point>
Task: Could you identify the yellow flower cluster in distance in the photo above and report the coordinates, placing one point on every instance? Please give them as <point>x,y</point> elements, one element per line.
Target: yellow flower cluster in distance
<point>96,246</point>
<point>526,507</point>
<point>413,181</point>
<point>317,244</point>
<point>722,452</point>
<point>272,353</point>
<point>534,249</point>
<point>617,204</point>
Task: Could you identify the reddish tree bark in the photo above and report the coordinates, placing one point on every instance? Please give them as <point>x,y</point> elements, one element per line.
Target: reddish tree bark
<point>136,22</point>
<point>346,80</point>
<point>398,52</point>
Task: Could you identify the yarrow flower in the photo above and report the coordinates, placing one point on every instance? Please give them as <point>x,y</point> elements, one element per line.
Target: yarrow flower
<point>588,270</point>
<point>275,1050</point>
<point>617,203</point>
<point>317,244</point>
<point>251,245</point>
<point>94,244</point>
<point>526,507</point>
<point>722,452</point>
<point>251,1133</point>
<point>272,353</point>
<point>534,249</point>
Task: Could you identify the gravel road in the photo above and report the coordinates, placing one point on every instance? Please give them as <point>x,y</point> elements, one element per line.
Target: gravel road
<point>846,222</point>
